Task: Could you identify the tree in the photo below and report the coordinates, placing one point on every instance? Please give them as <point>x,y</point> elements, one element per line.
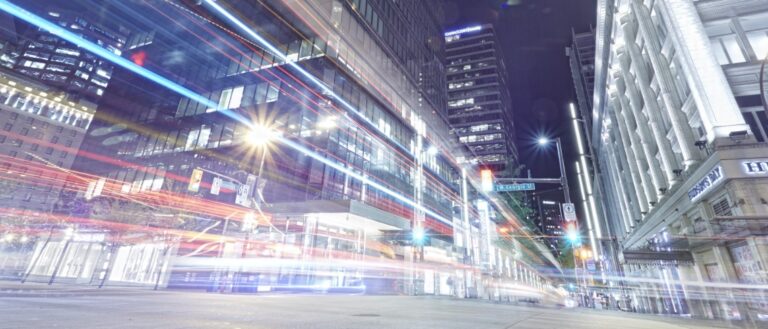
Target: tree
<point>566,256</point>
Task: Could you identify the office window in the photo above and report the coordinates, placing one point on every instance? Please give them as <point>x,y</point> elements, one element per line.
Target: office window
<point>272,93</point>
<point>33,64</point>
<point>722,207</point>
<point>261,93</point>
<point>224,99</point>
<point>236,98</point>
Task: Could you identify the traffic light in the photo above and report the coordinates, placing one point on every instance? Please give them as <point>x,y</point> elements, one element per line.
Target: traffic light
<point>486,177</point>
<point>418,236</point>
<point>572,234</point>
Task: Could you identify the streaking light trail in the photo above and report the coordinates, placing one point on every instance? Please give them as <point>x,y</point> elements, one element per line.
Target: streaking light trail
<point>272,49</point>
<point>59,31</point>
<point>175,87</point>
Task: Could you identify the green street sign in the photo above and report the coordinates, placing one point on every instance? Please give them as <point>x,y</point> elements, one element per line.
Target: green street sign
<point>515,187</point>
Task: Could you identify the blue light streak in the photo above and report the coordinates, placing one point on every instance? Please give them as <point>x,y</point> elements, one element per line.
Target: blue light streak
<point>276,52</point>
<point>175,87</point>
<point>97,50</point>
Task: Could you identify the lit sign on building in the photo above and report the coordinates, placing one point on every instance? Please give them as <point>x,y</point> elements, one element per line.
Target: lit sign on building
<point>706,183</point>
<point>756,167</point>
<point>464,30</point>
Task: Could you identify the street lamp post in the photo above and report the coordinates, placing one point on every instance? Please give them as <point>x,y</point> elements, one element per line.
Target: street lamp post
<point>260,137</point>
<point>543,141</point>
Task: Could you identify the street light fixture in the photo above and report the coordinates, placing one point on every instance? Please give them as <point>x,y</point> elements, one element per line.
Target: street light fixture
<point>544,141</point>
<point>261,135</point>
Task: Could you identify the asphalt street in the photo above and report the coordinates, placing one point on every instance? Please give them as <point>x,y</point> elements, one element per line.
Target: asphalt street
<point>172,309</point>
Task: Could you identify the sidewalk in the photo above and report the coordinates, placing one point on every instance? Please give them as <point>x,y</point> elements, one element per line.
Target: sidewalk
<point>679,320</point>
<point>39,289</point>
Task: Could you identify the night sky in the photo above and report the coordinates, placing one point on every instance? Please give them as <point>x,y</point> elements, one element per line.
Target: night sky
<point>534,35</point>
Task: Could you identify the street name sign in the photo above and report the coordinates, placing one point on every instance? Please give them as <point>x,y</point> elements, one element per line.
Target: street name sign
<point>515,187</point>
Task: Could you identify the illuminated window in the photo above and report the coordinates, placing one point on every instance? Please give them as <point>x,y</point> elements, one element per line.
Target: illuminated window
<point>33,64</point>
<point>67,51</point>
<point>272,93</point>
<point>224,99</point>
<point>237,97</point>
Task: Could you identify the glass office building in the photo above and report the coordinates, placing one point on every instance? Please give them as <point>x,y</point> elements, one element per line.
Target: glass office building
<point>479,105</point>
<point>253,147</point>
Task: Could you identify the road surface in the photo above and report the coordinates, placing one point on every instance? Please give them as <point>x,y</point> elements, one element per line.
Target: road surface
<point>173,309</point>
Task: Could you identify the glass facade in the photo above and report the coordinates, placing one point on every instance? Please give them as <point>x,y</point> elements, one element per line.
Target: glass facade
<point>241,131</point>
<point>479,106</point>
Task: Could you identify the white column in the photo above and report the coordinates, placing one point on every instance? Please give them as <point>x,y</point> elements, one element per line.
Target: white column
<point>629,161</point>
<point>620,192</point>
<point>673,104</point>
<point>626,184</point>
<point>649,99</point>
<point>643,130</point>
<point>627,121</point>
<point>714,99</point>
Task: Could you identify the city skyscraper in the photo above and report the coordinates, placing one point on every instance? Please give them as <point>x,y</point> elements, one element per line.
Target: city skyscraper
<point>479,105</point>
<point>550,222</point>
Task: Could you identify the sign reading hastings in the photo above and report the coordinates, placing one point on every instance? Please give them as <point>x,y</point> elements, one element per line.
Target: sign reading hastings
<point>709,180</point>
<point>755,167</point>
